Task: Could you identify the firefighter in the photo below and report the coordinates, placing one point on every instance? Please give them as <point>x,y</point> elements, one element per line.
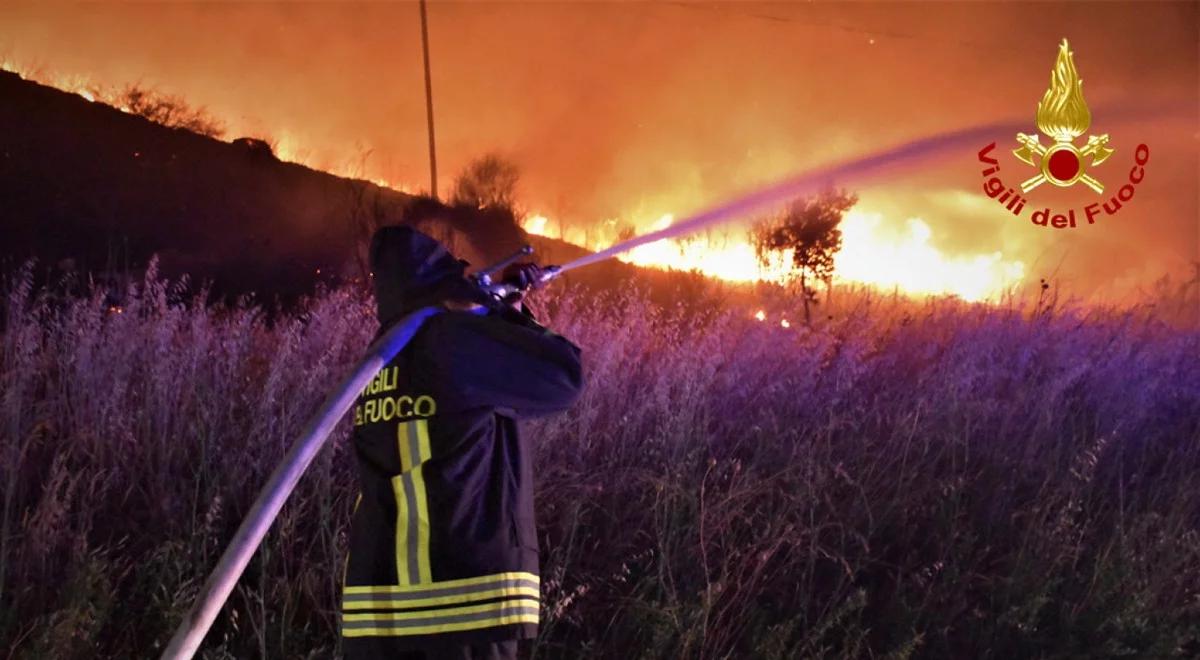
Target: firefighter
<point>443,559</point>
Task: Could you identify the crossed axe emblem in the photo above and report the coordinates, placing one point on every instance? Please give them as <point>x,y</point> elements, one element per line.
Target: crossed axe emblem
<point>1097,148</point>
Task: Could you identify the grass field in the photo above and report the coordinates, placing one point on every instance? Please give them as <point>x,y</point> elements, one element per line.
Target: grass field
<point>907,480</point>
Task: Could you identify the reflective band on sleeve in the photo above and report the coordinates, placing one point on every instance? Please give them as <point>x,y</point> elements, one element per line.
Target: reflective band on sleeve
<point>520,610</point>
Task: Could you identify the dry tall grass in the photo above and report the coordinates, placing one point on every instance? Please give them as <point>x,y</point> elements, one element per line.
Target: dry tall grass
<point>908,480</point>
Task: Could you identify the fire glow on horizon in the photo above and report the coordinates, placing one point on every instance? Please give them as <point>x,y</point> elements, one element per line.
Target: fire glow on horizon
<point>75,84</point>
<point>872,253</point>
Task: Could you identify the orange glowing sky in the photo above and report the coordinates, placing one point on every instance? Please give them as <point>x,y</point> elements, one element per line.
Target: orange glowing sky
<point>630,112</point>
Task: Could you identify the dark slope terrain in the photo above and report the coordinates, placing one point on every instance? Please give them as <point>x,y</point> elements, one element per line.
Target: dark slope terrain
<point>86,186</point>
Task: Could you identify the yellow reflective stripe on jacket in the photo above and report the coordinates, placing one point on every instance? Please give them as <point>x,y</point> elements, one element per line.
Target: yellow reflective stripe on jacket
<point>442,593</point>
<point>460,582</point>
<point>517,610</point>
<point>422,503</point>
<point>412,512</point>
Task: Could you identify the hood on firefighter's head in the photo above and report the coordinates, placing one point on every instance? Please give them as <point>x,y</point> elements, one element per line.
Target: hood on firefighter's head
<point>413,270</point>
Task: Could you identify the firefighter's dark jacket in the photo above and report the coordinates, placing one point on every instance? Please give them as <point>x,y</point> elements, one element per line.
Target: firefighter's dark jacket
<point>443,545</point>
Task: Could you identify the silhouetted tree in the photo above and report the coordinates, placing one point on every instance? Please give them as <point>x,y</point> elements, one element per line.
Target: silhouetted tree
<point>808,228</point>
<point>487,181</point>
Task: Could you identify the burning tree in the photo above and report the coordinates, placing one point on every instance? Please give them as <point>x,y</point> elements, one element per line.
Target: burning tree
<point>808,229</point>
<point>487,181</point>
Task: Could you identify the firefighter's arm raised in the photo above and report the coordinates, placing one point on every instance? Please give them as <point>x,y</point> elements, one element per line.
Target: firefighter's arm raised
<point>502,361</point>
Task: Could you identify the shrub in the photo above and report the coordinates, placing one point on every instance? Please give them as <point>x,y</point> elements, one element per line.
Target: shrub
<point>168,110</point>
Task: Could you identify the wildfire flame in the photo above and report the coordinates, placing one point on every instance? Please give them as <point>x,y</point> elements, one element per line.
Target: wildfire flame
<point>73,84</point>
<point>722,256</point>
<point>1062,113</point>
<point>910,263</point>
<point>873,253</point>
<point>536,225</point>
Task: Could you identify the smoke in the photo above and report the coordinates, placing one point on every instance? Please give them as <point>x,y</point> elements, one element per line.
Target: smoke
<point>632,111</point>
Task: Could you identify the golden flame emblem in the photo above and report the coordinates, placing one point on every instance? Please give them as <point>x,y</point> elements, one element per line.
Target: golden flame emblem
<point>1063,115</point>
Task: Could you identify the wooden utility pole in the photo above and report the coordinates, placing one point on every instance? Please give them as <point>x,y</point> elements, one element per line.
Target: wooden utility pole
<point>433,189</point>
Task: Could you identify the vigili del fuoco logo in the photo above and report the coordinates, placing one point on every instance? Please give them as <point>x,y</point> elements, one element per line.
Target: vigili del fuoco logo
<point>1063,116</point>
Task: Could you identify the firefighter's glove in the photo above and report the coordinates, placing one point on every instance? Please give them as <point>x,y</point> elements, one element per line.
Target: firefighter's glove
<point>524,276</point>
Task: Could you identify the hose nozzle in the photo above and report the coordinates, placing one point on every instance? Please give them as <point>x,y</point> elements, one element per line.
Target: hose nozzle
<point>551,272</point>
<point>484,277</point>
<point>503,291</point>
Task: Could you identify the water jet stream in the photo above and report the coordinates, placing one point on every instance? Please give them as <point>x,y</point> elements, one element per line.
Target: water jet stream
<point>857,171</point>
